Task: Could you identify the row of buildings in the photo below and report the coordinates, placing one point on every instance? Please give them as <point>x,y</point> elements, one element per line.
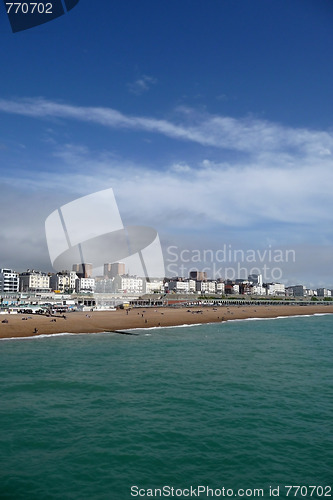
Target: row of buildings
<point>115,280</point>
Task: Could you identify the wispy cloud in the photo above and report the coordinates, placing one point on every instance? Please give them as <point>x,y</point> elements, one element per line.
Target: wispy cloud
<point>141,85</point>
<point>201,195</point>
<point>249,135</point>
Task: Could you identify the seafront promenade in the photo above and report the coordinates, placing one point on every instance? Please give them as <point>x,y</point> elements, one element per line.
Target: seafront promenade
<point>18,325</point>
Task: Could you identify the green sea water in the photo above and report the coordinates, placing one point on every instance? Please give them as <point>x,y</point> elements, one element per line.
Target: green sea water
<point>239,405</point>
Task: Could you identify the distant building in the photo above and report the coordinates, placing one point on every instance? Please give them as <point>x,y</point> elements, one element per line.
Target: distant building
<point>258,290</point>
<point>154,285</point>
<point>128,284</point>
<point>277,289</point>
<point>104,285</point>
<point>9,281</point>
<point>231,288</point>
<point>323,292</point>
<point>296,291</point>
<point>220,287</point>
<point>198,275</point>
<point>34,282</point>
<point>255,279</point>
<point>206,286</point>
<point>114,269</point>
<point>63,281</point>
<point>85,285</point>
<point>179,286</point>
<point>83,270</point>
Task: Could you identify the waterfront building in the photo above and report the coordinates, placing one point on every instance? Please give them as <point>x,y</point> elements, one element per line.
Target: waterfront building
<point>9,281</point>
<point>258,290</point>
<point>34,282</point>
<point>206,286</point>
<point>128,284</point>
<point>231,288</point>
<point>296,291</point>
<point>179,286</point>
<point>154,285</point>
<point>277,289</point>
<point>85,285</point>
<point>63,281</point>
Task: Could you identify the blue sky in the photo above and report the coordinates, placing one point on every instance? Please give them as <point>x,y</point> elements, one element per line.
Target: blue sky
<point>212,121</point>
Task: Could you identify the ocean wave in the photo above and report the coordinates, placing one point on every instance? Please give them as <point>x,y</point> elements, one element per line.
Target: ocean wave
<point>37,337</point>
<point>51,335</point>
<point>185,325</point>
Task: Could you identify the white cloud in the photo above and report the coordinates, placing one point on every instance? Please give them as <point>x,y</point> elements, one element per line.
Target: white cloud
<point>141,85</point>
<point>249,135</point>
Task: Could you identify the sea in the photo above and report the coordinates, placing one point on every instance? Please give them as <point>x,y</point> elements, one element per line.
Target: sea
<point>236,409</point>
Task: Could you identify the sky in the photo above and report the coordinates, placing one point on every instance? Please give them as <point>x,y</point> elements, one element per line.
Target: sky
<point>211,120</point>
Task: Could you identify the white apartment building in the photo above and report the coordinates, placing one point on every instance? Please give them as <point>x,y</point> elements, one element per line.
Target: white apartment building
<point>179,286</point>
<point>85,285</point>
<point>220,287</point>
<point>154,285</point>
<point>128,284</point>
<point>9,281</point>
<point>206,287</point>
<point>258,290</point>
<point>276,289</point>
<point>35,282</point>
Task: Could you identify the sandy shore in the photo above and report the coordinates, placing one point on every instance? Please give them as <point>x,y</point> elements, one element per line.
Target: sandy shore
<point>93,322</point>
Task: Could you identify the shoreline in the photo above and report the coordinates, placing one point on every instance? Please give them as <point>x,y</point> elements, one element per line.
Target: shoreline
<point>120,321</point>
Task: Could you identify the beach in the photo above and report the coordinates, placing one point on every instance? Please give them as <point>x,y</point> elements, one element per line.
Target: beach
<point>22,325</point>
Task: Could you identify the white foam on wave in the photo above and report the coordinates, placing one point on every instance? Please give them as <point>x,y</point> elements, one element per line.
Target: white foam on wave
<point>42,336</point>
<point>185,325</point>
<point>51,335</point>
<point>282,317</point>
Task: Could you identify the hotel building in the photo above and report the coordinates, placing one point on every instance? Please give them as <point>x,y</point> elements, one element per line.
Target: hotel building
<point>34,282</point>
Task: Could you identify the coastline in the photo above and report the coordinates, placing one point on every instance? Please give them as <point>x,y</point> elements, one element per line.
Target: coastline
<point>138,318</point>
